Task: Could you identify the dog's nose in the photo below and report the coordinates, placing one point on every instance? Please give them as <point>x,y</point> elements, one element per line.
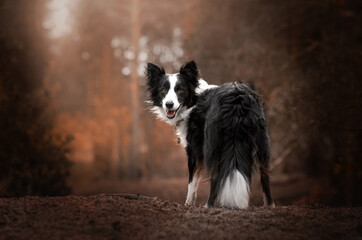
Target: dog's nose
<point>169,105</point>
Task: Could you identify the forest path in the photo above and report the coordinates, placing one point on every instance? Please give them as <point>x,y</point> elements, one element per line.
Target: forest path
<point>121,216</point>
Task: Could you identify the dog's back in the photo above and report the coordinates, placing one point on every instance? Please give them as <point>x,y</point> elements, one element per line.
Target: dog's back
<point>234,140</point>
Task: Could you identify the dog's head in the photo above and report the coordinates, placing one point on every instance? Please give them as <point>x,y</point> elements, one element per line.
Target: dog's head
<point>172,94</point>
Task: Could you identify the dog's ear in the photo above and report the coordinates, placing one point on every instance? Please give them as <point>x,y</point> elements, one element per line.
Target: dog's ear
<point>153,74</point>
<point>190,72</point>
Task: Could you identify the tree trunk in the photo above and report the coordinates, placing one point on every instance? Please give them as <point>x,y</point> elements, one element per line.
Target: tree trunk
<point>134,166</point>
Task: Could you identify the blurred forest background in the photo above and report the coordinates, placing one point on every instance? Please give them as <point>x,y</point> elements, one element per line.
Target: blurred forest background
<point>72,92</point>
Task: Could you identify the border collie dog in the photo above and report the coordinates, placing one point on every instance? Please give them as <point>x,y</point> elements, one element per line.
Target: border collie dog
<point>222,128</point>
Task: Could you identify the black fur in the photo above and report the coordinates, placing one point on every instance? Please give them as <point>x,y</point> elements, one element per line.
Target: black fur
<point>190,75</point>
<point>154,74</point>
<point>226,131</point>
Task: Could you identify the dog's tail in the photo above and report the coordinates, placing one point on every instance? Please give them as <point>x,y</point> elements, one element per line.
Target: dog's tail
<point>230,143</point>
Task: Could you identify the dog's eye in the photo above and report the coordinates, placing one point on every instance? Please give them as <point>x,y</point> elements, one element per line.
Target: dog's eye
<point>179,91</point>
<point>163,90</point>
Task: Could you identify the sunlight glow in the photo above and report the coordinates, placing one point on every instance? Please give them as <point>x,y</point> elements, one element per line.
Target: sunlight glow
<point>59,21</point>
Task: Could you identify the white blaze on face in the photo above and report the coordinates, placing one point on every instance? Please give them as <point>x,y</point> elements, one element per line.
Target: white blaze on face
<point>171,95</point>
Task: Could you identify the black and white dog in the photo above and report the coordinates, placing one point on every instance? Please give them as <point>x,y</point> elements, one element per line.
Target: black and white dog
<point>222,128</point>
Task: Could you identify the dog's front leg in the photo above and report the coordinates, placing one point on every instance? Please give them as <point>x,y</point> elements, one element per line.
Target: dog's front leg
<point>192,190</point>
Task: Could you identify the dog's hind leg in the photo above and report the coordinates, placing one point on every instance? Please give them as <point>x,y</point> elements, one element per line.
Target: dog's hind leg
<point>263,155</point>
<point>264,179</point>
<point>213,193</point>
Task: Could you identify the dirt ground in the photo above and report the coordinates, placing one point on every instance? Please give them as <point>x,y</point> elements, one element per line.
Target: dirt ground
<point>123,216</point>
<point>286,189</point>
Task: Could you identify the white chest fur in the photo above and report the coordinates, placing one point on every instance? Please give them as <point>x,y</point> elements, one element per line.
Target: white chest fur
<point>181,132</point>
<point>181,128</point>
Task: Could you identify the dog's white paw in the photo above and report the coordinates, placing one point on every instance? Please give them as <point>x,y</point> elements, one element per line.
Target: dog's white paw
<point>190,202</point>
<point>191,199</point>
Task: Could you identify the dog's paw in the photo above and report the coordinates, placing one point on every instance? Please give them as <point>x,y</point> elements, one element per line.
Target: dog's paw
<point>191,199</point>
<point>190,202</point>
<point>269,206</point>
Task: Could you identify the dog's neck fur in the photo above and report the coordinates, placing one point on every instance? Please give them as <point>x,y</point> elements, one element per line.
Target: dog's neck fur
<point>181,119</point>
<point>181,128</point>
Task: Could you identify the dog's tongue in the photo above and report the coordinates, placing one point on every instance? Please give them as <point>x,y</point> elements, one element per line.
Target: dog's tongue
<point>170,113</point>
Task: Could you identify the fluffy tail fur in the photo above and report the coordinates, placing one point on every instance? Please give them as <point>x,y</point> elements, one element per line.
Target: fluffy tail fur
<point>234,132</point>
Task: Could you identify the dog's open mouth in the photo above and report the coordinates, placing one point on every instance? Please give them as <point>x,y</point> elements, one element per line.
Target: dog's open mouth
<point>171,113</point>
